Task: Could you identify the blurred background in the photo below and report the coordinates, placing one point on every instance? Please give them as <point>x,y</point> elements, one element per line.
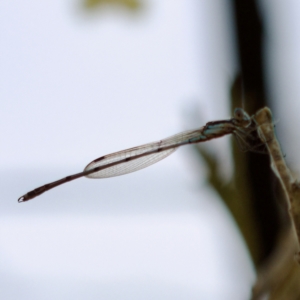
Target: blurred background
<point>81,79</point>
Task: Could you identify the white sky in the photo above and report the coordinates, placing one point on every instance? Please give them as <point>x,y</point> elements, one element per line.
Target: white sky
<point>283,70</point>
<point>75,88</point>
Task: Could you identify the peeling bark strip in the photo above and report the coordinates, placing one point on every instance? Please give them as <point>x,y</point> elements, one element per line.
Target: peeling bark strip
<point>291,186</point>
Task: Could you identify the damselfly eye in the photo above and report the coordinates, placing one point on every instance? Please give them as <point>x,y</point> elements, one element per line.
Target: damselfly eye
<point>241,117</point>
<point>239,113</point>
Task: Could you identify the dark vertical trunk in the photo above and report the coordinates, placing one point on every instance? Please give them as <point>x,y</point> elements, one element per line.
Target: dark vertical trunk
<point>249,35</point>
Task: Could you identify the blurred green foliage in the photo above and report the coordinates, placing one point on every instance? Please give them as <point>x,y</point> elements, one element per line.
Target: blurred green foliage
<point>132,5</point>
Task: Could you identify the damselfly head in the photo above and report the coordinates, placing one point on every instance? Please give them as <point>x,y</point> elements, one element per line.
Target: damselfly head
<point>241,118</point>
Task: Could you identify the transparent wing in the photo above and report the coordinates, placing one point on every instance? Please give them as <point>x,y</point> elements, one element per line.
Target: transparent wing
<point>131,166</point>
<point>139,157</point>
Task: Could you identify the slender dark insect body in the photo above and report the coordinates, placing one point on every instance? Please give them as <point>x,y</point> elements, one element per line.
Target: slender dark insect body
<point>134,159</point>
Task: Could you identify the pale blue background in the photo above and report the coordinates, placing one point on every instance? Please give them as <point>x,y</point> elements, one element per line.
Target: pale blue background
<point>74,87</point>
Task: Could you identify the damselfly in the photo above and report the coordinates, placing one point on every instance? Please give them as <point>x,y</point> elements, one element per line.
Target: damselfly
<point>130,160</point>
